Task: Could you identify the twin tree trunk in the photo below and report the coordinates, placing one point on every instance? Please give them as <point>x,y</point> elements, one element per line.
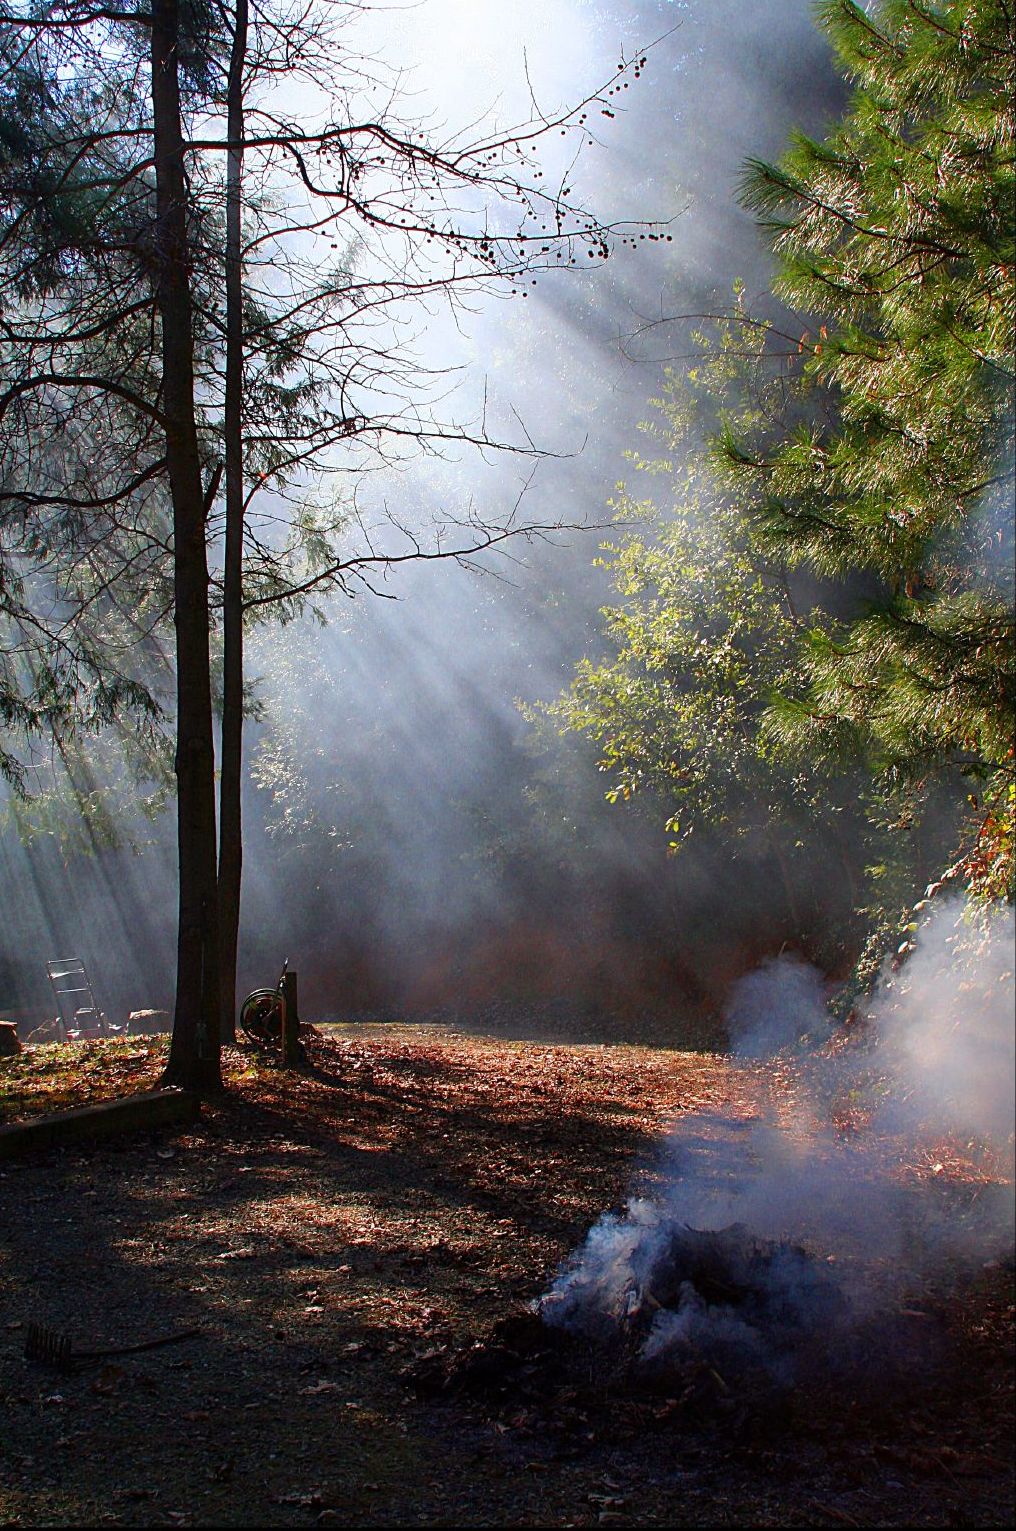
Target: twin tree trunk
<point>194,1052</point>
<point>209,911</point>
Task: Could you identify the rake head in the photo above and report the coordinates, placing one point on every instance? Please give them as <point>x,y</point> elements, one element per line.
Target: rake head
<point>49,1347</point>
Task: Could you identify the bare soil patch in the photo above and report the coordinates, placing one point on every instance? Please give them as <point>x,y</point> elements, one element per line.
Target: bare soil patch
<point>340,1234</point>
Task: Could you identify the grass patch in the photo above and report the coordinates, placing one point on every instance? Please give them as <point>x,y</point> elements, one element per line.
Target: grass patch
<point>55,1076</point>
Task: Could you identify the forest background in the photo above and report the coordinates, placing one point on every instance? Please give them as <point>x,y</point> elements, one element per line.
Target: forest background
<point>440,809</point>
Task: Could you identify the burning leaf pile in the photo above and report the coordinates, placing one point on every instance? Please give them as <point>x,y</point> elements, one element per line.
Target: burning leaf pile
<point>670,1296</point>
<point>720,1319</point>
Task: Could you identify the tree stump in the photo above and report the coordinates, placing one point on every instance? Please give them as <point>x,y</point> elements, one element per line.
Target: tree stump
<point>10,1042</point>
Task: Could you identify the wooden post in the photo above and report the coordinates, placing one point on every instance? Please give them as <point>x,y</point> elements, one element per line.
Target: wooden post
<point>291,1050</point>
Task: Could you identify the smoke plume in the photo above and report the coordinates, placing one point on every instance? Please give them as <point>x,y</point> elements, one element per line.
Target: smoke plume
<point>784,1227</point>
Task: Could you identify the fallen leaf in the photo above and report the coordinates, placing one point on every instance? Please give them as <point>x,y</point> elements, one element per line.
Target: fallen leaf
<point>108,1380</point>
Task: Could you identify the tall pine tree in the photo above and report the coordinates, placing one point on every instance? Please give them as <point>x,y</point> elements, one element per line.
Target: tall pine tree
<point>896,237</point>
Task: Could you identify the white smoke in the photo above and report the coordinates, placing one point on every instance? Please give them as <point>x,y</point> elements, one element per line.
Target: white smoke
<point>694,1323</point>
<point>825,1204</point>
<point>777,1005</point>
<point>947,1022</point>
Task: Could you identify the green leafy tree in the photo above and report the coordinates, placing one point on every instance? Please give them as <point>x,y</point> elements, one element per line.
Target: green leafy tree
<point>707,630</point>
<point>895,236</point>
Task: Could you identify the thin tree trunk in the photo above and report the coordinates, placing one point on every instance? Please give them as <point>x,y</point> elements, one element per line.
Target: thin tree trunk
<point>788,884</point>
<point>194,1052</point>
<point>230,820</point>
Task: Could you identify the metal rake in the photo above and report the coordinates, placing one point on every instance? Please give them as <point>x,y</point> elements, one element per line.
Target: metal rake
<point>52,1348</point>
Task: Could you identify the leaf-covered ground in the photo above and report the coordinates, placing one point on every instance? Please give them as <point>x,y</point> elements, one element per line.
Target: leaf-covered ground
<point>57,1076</point>
<point>332,1234</point>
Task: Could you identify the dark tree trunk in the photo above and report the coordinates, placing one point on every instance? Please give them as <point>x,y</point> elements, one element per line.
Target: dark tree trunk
<point>230,821</point>
<point>194,1052</point>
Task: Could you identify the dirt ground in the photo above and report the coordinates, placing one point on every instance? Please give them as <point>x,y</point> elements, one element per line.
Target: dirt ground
<point>337,1235</point>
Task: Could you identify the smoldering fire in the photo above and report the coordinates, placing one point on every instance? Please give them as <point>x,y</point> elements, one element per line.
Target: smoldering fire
<point>771,1239</point>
